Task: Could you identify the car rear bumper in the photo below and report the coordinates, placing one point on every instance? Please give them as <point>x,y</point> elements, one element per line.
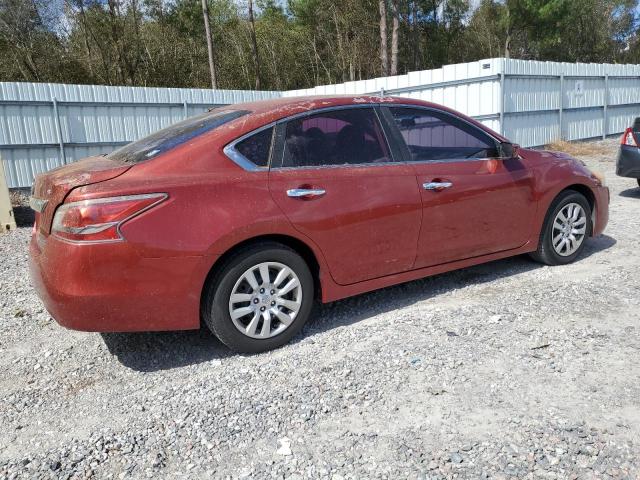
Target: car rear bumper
<point>109,287</point>
<point>628,163</point>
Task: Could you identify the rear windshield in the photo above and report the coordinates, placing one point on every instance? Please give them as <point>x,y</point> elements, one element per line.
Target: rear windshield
<point>163,140</point>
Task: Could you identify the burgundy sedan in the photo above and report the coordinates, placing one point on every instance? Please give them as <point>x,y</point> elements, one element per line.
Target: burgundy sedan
<point>241,217</point>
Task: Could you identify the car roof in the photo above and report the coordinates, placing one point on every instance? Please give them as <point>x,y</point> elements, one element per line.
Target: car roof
<point>287,106</point>
<point>264,112</point>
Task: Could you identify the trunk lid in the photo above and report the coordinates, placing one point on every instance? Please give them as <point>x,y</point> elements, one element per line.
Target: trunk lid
<point>50,189</point>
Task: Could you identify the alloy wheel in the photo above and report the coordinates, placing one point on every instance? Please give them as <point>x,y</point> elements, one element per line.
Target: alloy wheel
<point>265,300</point>
<point>569,229</point>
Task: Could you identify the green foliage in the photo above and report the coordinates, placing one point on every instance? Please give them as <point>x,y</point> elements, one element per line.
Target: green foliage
<point>301,43</point>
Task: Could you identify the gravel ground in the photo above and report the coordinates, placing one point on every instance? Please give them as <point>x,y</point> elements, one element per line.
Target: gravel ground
<point>506,370</point>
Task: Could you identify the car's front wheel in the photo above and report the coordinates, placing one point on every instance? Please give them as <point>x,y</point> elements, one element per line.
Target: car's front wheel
<point>565,230</point>
<point>259,298</point>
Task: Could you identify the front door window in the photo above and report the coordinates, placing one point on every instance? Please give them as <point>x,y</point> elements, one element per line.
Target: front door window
<point>431,135</point>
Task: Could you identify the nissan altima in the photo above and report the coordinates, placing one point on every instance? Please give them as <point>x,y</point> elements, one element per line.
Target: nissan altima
<point>242,217</point>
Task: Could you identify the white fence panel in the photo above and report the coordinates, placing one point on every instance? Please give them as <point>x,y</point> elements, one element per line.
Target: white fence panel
<point>548,101</point>
<point>536,128</point>
<point>621,117</point>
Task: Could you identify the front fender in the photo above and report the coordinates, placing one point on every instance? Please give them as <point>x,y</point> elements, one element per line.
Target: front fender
<point>555,172</point>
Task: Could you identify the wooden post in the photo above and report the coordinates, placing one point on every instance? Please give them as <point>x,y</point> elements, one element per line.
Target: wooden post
<point>7,220</point>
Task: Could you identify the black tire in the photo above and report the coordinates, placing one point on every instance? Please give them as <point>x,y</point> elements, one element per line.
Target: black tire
<point>545,252</point>
<point>217,292</point>
<point>638,182</point>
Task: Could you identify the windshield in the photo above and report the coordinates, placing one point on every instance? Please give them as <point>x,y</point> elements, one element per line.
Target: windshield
<point>163,140</point>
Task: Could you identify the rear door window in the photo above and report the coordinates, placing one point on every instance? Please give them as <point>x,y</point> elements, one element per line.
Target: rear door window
<point>164,140</point>
<point>335,137</point>
<point>257,147</point>
<point>432,135</point>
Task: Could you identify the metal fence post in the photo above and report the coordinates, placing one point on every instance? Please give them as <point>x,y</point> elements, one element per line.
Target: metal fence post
<point>186,109</point>
<point>562,106</point>
<point>605,112</point>
<point>502,96</point>
<point>56,118</point>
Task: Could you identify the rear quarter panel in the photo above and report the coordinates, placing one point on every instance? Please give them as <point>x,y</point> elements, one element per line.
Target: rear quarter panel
<point>209,197</point>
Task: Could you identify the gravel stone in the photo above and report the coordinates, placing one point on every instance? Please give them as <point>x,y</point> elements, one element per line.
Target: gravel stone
<point>505,370</point>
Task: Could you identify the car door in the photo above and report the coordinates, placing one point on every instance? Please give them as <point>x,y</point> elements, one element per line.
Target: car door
<point>335,178</point>
<point>474,203</point>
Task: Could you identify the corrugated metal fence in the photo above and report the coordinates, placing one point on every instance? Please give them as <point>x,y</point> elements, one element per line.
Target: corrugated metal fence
<point>532,103</point>
<point>43,126</point>
<point>545,101</point>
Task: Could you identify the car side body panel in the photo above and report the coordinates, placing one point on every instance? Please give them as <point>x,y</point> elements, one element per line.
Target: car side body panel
<point>488,209</point>
<point>331,293</point>
<point>552,173</point>
<point>366,223</point>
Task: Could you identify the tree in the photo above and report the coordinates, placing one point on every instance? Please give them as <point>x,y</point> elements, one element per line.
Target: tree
<point>395,12</point>
<point>280,45</point>
<point>254,45</point>
<point>207,29</point>
<point>30,51</point>
<point>384,59</point>
<point>489,33</point>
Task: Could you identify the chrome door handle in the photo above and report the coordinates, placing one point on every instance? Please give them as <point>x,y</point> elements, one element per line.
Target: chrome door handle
<point>305,192</point>
<point>437,185</point>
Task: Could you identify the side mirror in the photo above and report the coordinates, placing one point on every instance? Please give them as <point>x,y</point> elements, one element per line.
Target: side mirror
<point>508,150</point>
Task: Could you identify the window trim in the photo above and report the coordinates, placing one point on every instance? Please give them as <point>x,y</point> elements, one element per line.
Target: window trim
<point>397,146</point>
<point>397,135</point>
<point>243,162</point>
<point>281,132</point>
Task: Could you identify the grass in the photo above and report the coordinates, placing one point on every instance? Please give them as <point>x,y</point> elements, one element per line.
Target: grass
<point>586,149</point>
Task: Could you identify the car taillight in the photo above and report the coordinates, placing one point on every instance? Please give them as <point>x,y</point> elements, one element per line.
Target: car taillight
<point>98,220</point>
<point>629,138</point>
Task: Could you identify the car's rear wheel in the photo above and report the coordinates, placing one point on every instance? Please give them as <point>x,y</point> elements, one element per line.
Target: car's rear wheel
<point>259,298</point>
<point>565,230</point>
